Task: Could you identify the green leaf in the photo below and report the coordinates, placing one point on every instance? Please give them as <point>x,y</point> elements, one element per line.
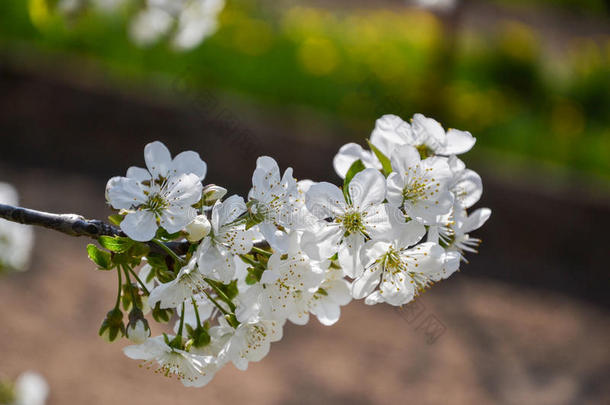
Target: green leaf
<point>101,258</point>
<point>139,249</point>
<point>354,169</point>
<point>386,164</point>
<point>116,244</point>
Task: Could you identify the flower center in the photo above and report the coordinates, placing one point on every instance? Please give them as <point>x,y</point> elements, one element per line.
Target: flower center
<point>156,203</point>
<point>352,222</point>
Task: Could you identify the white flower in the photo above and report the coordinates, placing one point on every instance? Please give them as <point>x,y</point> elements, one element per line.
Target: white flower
<point>420,187</point>
<point>16,240</point>
<point>425,134</point>
<point>250,341</point>
<point>325,303</point>
<point>162,195</point>
<point>188,281</point>
<point>352,223</point>
<point>228,238</point>
<point>454,230</point>
<point>190,20</point>
<point>275,200</point>
<point>289,278</point>
<point>400,271</point>
<point>351,152</point>
<point>191,369</point>
<point>197,21</point>
<point>31,389</point>
<point>198,229</point>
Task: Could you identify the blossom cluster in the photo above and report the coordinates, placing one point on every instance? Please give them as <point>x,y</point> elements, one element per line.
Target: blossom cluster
<point>186,22</point>
<point>231,271</point>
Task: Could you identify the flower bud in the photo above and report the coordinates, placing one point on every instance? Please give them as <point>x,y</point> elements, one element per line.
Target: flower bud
<point>213,193</point>
<point>137,329</point>
<point>112,327</point>
<point>198,229</point>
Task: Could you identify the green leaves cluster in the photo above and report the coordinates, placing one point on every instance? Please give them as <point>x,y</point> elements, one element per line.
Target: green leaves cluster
<point>121,251</point>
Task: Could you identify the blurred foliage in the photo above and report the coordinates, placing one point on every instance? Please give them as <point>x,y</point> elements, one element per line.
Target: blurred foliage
<point>592,7</point>
<point>359,64</point>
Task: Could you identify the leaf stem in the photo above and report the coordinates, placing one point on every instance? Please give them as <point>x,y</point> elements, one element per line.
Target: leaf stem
<point>170,252</point>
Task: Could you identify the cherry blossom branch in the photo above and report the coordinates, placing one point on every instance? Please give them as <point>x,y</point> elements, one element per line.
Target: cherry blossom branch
<point>74,225</point>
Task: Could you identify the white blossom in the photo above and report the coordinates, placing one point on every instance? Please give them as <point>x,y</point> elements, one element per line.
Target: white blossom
<point>162,195</point>
<point>171,294</point>
<point>425,134</point>
<point>275,201</point>
<point>325,302</point>
<point>290,277</point>
<point>228,237</point>
<point>187,21</point>
<point>351,223</point>
<point>250,341</point>
<point>420,187</point>
<point>400,273</point>
<point>191,369</point>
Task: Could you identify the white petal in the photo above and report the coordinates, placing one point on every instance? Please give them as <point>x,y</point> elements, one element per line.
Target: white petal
<point>468,188</point>
<point>349,255</point>
<point>189,162</point>
<point>367,188</point>
<point>327,312</point>
<point>404,157</point>
<point>325,200</point>
<point>391,131</point>
<point>458,142</point>
<point>124,193</point>
<point>228,210</point>
<point>158,159</point>
<point>373,250</point>
<point>348,154</point>
<point>176,218</point>
<point>149,350</point>
<point>138,174</point>
<point>140,225</point>
<point>476,220</point>
<point>365,284</point>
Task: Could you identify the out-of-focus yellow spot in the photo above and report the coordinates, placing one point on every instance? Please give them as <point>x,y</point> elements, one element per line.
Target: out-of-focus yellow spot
<point>301,22</point>
<point>39,12</point>
<point>253,37</point>
<point>318,56</point>
<point>518,41</point>
<point>567,118</point>
<point>585,55</point>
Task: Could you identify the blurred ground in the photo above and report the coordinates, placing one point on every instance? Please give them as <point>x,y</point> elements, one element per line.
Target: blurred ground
<point>494,342</point>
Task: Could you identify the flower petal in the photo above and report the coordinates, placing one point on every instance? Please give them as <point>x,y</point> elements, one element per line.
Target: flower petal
<point>189,162</point>
<point>140,225</point>
<point>325,200</point>
<point>158,159</point>
<point>367,188</point>
<point>458,142</point>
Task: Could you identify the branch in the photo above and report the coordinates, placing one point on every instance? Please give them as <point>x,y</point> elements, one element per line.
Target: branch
<point>74,225</point>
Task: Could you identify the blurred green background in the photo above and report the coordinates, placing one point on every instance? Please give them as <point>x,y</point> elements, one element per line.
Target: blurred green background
<point>523,82</point>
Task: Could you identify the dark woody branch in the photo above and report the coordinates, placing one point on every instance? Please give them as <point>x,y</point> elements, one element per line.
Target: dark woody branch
<point>73,225</point>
